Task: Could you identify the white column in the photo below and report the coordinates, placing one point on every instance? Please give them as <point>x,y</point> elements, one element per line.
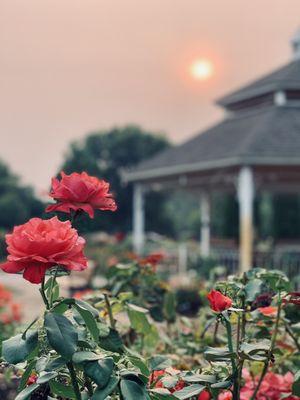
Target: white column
<point>245,198</point>
<point>138,218</point>
<point>205,224</point>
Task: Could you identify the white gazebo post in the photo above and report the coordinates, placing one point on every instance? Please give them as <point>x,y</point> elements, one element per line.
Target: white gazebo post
<point>205,224</point>
<point>138,218</point>
<point>245,198</point>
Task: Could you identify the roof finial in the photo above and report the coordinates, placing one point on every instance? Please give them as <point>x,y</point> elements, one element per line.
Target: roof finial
<point>295,41</point>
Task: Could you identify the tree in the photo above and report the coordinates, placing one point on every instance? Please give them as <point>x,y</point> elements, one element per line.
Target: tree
<point>17,202</point>
<point>104,154</point>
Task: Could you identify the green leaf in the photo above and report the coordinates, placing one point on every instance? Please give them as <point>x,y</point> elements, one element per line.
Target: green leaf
<point>102,394</point>
<point>159,362</point>
<point>41,364</point>
<point>161,394</point>
<point>18,348</point>
<point>46,377</point>
<point>54,364</point>
<point>132,391</point>
<point>61,334</point>
<point>218,354</point>
<point>139,363</point>
<point>138,320</point>
<point>112,342</point>
<point>99,371</point>
<point>26,375</point>
<point>88,307</point>
<point>62,390</point>
<point>194,378</point>
<point>90,322</point>
<point>81,356</point>
<point>253,288</point>
<point>222,385</point>
<point>189,391</point>
<point>296,384</point>
<point>25,394</point>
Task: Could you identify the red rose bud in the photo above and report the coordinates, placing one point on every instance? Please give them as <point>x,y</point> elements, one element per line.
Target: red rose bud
<point>39,245</point>
<point>218,302</point>
<point>32,379</point>
<point>80,192</point>
<point>204,395</point>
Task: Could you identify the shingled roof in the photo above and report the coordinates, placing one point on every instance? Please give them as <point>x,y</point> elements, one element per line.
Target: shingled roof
<point>262,128</point>
<point>269,136</point>
<point>285,78</point>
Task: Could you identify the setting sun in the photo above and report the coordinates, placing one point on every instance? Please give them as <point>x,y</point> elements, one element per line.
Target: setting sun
<point>201,69</point>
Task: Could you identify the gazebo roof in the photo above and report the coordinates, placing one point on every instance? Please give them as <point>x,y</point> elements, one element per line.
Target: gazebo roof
<point>266,136</point>
<point>285,78</point>
<point>262,127</point>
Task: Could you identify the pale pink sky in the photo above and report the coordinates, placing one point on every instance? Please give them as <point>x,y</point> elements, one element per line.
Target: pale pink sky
<point>68,67</point>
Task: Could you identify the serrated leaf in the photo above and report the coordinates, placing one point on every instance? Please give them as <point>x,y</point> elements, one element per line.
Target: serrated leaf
<point>159,362</point>
<point>18,348</point>
<point>26,393</point>
<point>99,371</point>
<point>189,391</point>
<point>132,391</point>
<point>61,334</point>
<point>46,377</point>
<point>81,356</point>
<point>62,390</point>
<point>102,394</point>
<point>90,322</point>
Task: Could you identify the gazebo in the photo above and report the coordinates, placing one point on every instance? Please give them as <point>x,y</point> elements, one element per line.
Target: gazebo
<point>255,148</point>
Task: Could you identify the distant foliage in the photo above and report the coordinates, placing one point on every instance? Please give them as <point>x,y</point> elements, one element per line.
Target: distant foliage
<point>17,202</point>
<point>104,154</point>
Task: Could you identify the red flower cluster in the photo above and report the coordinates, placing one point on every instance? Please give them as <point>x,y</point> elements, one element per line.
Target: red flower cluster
<point>9,311</point>
<point>218,302</point>
<point>80,192</point>
<point>293,298</point>
<point>273,386</point>
<point>39,245</point>
<point>268,311</point>
<point>152,259</point>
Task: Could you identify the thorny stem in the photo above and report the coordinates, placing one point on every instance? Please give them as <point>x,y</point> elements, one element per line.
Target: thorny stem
<point>273,342</point>
<point>216,332</point>
<point>74,380</point>
<point>110,313</point>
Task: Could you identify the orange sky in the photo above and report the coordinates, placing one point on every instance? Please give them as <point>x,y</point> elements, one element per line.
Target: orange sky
<point>71,66</point>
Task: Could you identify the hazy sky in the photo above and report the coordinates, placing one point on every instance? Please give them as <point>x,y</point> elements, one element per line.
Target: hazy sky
<point>68,67</point>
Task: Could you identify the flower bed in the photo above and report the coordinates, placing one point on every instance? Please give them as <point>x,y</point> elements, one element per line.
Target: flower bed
<point>127,341</point>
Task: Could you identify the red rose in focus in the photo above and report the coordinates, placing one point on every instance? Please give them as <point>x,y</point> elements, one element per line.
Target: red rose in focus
<point>80,192</point>
<point>218,302</point>
<point>32,379</point>
<point>39,245</point>
<point>205,395</point>
<point>268,311</point>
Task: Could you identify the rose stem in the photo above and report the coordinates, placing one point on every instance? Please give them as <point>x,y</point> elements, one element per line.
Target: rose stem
<point>74,380</point>
<point>265,369</point>
<point>42,291</point>
<point>109,310</point>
